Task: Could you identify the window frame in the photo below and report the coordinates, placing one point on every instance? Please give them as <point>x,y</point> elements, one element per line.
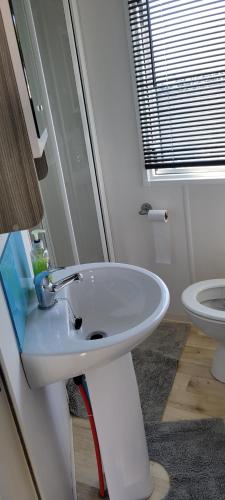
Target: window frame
<point>178,175</point>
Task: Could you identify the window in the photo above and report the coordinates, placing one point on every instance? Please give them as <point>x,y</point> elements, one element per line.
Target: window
<point>179,57</point>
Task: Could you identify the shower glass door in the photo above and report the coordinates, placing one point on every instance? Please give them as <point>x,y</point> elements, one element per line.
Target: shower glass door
<point>74,147</point>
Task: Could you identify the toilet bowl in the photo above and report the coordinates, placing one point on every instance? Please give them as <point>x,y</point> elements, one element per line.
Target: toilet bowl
<point>204,302</point>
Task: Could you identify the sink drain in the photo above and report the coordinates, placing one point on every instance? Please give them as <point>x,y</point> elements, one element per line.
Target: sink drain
<point>96,335</point>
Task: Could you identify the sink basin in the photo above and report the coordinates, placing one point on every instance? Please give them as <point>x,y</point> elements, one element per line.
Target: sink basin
<point>124,302</point>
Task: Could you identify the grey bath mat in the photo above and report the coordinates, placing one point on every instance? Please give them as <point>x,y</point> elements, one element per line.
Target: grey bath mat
<point>168,339</point>
<point>155,363</point>
<point>193,454</point>
<point>155,375</point>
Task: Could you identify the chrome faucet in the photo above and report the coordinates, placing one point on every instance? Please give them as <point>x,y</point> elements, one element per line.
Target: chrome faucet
<point>46,290</point>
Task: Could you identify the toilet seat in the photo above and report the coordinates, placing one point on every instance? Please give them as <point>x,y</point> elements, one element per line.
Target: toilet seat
<point>205,290</point>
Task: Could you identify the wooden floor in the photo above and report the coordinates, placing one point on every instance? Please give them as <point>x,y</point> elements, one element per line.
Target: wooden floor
<point>195,394</point>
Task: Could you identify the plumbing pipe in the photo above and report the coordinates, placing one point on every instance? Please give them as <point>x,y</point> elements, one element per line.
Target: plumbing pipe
<point>79,382</point>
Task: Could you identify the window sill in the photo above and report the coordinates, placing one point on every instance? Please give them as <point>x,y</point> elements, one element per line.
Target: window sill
<point>150,177</point>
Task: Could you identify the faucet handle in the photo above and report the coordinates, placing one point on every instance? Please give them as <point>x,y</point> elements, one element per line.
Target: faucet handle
<point>46,290</point>
<point>45,274</point>
<point>40,277</point>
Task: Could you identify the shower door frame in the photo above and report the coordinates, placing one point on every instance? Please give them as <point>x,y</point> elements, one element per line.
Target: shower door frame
<point>87,117</point>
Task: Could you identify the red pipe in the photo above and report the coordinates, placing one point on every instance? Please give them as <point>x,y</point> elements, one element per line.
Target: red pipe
<point>102,491</point>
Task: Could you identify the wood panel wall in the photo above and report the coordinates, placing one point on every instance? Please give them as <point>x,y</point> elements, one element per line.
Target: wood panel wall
<point>20,199</point>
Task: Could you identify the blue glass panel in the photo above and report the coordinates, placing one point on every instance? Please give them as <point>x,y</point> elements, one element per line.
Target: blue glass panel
<point>17,283</point>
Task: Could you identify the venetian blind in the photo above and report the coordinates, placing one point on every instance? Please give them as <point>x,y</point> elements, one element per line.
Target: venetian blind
<point>179,57</point>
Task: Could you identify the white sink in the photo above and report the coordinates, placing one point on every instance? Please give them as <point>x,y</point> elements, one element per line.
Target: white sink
<point>125,302</point>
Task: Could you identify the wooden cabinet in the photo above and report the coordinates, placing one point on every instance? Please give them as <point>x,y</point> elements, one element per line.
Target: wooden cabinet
<point>20,199</point>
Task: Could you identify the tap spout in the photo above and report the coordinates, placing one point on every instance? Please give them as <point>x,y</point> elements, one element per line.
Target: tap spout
<point>58,285</point>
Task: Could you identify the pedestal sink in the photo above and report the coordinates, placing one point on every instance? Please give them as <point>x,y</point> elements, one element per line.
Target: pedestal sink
<point>124,304</point>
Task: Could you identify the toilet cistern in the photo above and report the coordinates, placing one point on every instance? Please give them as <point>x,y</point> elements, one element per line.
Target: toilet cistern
<point>46,290</point>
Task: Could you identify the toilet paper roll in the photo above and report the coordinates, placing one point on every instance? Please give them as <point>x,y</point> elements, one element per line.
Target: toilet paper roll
<point>158,215</point>
<point>161,236</point>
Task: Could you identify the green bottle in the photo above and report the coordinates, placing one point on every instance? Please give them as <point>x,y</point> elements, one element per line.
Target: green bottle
<point>39,254</point>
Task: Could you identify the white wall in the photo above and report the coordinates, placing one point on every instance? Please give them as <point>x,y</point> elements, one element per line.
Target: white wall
<point>43,414</point>
<point>108,66</point>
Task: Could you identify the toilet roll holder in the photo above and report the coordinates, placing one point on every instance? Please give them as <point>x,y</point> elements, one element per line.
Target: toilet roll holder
<point>145,207</point>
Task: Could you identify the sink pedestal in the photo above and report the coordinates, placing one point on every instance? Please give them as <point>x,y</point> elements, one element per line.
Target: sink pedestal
<point>119,422</point>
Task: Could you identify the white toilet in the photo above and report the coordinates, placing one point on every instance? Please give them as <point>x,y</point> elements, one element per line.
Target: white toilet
<point>204,302</point>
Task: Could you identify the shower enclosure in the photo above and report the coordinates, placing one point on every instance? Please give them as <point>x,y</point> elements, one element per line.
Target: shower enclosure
<point>76,216</point>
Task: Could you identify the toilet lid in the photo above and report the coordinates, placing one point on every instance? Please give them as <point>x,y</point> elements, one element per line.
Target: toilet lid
<point>194,296</point>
